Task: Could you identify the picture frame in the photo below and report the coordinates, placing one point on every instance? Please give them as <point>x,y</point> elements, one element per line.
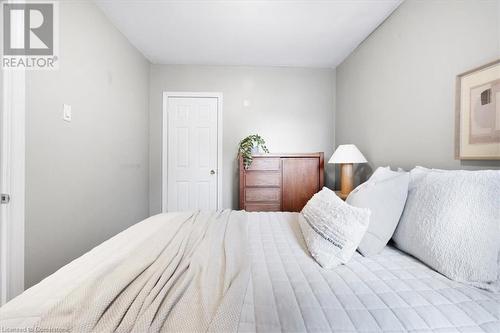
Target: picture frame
<point>477,114</point>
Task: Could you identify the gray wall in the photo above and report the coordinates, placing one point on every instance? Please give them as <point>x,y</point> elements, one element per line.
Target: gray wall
<point>292,108</point>
<point>395,92</point>
<point>86,180</point>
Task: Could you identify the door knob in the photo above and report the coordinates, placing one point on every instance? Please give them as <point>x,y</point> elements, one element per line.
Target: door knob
<point>212,172</point>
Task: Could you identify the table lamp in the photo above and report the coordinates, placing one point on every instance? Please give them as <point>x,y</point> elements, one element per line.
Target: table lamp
<point>346,156</point>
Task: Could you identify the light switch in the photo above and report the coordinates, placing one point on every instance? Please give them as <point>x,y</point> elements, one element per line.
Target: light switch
<point>67,112</point>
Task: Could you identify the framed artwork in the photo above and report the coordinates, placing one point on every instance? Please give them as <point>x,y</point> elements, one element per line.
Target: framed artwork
<point>477,123</point>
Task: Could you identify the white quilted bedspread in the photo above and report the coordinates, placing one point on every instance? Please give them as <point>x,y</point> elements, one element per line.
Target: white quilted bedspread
<point>390,292</point>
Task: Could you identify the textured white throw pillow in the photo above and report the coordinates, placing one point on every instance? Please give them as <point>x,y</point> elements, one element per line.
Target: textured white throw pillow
<point>332,229</point>
<point>385,195</point>
<point>451,222</point>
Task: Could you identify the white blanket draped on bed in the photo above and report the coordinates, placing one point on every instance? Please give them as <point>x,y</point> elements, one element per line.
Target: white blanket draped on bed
<point>191,268</point>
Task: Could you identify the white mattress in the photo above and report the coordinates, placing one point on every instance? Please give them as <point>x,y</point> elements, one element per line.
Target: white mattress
<point>288,291</point>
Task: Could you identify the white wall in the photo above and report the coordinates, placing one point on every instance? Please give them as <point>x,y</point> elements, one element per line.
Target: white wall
<point>396,91</point>
<point>292,108</point>
<point>86,180</point>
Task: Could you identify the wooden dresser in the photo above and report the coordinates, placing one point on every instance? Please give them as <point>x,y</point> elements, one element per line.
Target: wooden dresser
<point>280,182</point>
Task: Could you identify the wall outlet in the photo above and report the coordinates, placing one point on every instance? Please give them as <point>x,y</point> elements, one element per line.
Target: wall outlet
<point>67,112</point>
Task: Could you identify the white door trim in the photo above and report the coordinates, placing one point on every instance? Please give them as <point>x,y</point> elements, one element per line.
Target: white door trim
<point>166,96</point>
<point>13,183</point>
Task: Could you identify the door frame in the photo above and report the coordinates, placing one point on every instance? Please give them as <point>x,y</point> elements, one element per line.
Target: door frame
<point>12,173</point>
<point>164,142</point>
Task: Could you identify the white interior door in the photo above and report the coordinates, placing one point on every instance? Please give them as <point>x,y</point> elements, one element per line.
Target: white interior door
<point>12,175</point>
<point>3,212</point>
<point>12,183</point>
<point>192,141</point>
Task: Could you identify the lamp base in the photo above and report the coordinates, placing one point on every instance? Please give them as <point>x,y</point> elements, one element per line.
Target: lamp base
<point>346,179</point>
<point>340,195</point>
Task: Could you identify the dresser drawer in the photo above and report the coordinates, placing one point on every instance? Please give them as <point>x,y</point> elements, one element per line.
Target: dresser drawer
<point>265,163</point>
<point>262,194</point>
<point>263,178</point>
<point>263,207</point>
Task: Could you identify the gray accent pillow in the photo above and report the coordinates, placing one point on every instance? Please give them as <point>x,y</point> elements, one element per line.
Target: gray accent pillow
<point>385,195</point>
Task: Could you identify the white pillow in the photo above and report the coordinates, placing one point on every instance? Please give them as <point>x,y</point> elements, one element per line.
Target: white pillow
<point>451,222</point>
<point>385,195</point>
<point>332,229</point>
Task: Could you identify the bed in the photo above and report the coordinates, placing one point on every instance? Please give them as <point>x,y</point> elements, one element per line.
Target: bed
<point>238,271</point>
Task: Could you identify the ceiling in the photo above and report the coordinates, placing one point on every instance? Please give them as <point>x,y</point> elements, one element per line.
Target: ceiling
<point>256,33</point>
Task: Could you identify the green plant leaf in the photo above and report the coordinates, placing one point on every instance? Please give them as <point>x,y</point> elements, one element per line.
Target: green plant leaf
<point>246,145</point>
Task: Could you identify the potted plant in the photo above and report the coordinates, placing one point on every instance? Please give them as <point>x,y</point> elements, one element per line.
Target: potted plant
<point>249,146</point>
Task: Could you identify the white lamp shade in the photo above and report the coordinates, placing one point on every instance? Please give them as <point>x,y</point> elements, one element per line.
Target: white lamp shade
<point>347,154</point>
